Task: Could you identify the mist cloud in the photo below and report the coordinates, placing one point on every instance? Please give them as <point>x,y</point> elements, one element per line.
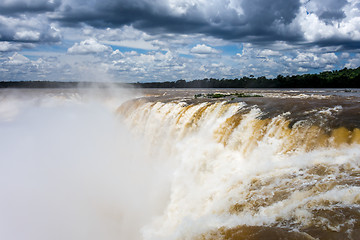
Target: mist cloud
<point>70,170</point>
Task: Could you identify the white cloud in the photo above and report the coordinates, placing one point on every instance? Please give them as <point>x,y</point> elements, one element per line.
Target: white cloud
<point>117,53</point>
<point>269,53</point>
<point>354,62</point>
<point>7,47</point>
<point>17,59</point>
<point>27,36</point>
<point>301,69</point>
<point>163,66</point>
<point>89,46</point>
<point>316,29</point>
<point>310,60</point>
<point>203,49</point>
<point>125,36</point>
<point>328,58</point>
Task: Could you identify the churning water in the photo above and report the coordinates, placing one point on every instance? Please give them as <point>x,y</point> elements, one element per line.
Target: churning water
<point>163,164</point>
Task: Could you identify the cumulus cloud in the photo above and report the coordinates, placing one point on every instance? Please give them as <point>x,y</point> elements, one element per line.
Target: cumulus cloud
<point>26,29</point>
<point>309,60</point>
<point>203,49</point>
<point>89,46</point>
<point>17,67</point>
<point>269,53</point>
<point>17,59</point>
<point>27,36</point>
<point>353,62</point>
<point>342,31</point>
<point>7,47</point>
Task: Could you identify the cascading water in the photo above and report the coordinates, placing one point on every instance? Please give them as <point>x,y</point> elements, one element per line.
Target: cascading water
<point>242,175</point>
<point>171,166</point>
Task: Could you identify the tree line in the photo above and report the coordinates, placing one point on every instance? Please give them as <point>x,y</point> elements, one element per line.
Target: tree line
<point>345,78</point>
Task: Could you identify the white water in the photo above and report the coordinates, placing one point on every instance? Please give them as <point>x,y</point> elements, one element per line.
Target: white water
<point>73,168</point>
<point>211,178</point>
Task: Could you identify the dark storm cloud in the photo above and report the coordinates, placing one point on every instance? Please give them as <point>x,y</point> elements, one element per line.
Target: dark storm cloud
<point>27,6</point>
<point>332,15</point>
<point>264,21</point>
<point>149,15</point>
<point>259,20</point>
<point>263,13</point>
<point>341,43</point>
<point>254,21</point>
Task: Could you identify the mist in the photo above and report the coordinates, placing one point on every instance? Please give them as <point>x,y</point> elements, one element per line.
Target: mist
<point>69,169</point>
<point>80,164</point>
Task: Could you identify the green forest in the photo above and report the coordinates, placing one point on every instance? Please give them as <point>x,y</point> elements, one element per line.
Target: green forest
<point>345,78</point>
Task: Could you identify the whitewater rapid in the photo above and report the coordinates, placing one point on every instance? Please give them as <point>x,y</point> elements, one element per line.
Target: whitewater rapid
<point>163,164</point>
<point>291,175</point>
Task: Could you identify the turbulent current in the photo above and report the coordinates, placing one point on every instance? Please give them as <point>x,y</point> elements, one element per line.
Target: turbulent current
<point>180,164</point>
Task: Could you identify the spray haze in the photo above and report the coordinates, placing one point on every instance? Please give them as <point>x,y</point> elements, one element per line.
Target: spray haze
<point>70,170</point>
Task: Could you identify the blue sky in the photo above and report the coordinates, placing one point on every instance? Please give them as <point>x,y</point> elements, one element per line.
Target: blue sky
<point>167,40</point>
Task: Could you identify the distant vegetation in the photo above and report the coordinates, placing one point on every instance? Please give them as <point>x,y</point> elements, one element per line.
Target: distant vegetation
<point>345,78</point>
